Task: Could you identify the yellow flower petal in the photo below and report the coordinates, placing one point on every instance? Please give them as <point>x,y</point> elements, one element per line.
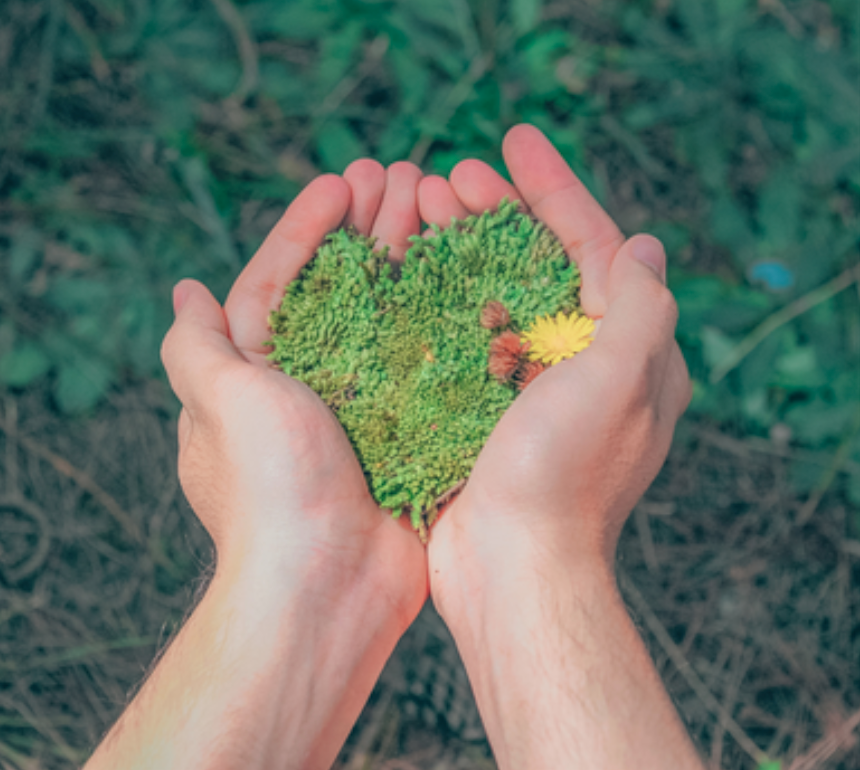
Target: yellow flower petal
<point>554,339</point>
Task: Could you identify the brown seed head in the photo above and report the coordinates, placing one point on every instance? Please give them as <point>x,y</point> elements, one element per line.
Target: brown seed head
<point>505,353</point>
<point>528,372</point>
<point>494,315</point>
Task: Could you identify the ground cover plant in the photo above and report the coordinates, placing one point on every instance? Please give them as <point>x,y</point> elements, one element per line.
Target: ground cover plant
<point>420,368</point>
<point>150,140</point>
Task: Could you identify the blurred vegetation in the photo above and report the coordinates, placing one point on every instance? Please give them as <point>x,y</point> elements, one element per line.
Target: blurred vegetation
<point>148,140</point>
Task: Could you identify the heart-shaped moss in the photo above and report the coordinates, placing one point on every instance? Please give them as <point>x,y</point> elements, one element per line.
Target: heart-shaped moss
<point>406,363</point>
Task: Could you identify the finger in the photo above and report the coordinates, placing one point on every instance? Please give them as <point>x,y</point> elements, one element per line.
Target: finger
<point>679,389</point>
<point>438,203</point>
<point>197,348</point>
<point>557,197</point>
<point>366,178</point>
<point>318,209</point>
<point>480,187</point>
<point>398,218</point>
<point>637,333</point>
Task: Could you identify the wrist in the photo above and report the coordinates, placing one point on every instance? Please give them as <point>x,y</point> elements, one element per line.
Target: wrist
<point>335,570</point>
<point>559,672</point>
<point>324,647</point>
<point>479,558</point>
<point>477,604</point>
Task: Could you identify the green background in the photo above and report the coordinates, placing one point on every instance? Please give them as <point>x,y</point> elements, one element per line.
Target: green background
<point>144,141</point>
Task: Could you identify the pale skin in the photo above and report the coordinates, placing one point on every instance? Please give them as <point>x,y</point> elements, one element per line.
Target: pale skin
<point>314,585</point>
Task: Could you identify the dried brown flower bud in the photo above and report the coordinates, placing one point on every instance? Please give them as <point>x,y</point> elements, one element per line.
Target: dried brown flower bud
<point>528,372</point>
<point>494,315</point>
<point>505,353</point>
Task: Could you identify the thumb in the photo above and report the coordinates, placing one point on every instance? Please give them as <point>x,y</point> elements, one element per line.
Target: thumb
<point>638,328</point>
<point>197,348</point>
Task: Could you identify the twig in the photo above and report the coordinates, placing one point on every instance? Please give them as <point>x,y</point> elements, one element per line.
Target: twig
<point>822,750</point>
<point>650,165</point>
<point>11,419</point>
<point>245,44</point>
<point>777,9</point>
<point>195,174</point>
<point>85,482</point>
<point>15,573</point>
<point>742,448</point>
<point>744,659</point>
<point>455,99</point>
<point>829,475</point>
<point>75,655</point>
<point>97,61</point>
<point>360,755</point>
<point>46,62</point>
<point>782,317</point>
<point>340,93</point>
<point>686,671</point>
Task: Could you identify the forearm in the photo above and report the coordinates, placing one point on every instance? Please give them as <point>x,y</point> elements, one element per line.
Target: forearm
<point>265,674</point>
<point>562,678</point>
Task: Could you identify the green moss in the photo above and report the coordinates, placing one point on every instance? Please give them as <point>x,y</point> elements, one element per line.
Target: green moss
<point>404,363</point>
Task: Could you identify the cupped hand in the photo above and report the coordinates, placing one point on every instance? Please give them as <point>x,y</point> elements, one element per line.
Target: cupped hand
<point>263,461</point>
<point>569,459</point>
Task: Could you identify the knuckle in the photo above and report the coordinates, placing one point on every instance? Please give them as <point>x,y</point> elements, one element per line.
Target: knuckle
<point>168,347</point>
<point>664,304</point>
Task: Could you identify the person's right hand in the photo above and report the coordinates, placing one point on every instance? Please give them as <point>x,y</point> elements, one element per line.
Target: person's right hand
<point>263,461</point>
<point>569,459</point>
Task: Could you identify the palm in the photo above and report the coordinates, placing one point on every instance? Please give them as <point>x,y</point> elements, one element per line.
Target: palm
<point>307,456</point>
<point>512,471</point>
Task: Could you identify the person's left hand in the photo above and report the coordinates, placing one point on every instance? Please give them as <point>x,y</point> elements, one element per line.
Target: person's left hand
<point>263,461</point>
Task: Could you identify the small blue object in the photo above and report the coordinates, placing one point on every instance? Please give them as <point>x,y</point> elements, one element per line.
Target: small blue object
<point>774,275</point>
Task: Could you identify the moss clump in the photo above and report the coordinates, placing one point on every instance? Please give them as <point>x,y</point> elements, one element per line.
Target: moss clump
<point>403,363</point>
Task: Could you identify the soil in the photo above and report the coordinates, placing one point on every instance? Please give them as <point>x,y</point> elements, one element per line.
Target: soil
<point>750,608</point>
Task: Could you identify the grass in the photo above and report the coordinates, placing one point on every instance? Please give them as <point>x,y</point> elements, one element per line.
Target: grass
<point>151,140</point>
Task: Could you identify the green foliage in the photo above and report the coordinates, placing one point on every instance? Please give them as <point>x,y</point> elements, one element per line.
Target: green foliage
<point>150,141</point>
<point>403,363</point>
<point>767,121</point>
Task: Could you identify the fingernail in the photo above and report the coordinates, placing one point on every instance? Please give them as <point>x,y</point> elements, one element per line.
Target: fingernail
<point>180,295</point>
<point>649,251</point>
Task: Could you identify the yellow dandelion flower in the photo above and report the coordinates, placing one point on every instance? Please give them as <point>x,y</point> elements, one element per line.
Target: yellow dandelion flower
<point>552,340</point>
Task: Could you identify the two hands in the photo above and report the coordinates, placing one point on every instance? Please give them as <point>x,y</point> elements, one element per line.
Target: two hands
<point>314,584</point>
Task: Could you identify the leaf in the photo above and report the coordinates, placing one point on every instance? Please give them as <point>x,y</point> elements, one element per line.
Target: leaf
<point>756,408</point>
<point>854,496</point>
<point>295,20</point>
<point>799,368</point>
<point>26,245</point>
<point>396,140</point>
<point>730,226</point>
<point>23,365</point>
<point>756,371</point>
<point>442,14</point>
<point>716,346</point>
<point>81,383</point>
<point>779,209</point>
<point>816,422</point>
<point>525,15</point>
<point>337,57</point>
<point>338,145</point>
<point>79,295</point>
<point>144,324</point>
<point>284,84</point>
<point>413,78</point>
